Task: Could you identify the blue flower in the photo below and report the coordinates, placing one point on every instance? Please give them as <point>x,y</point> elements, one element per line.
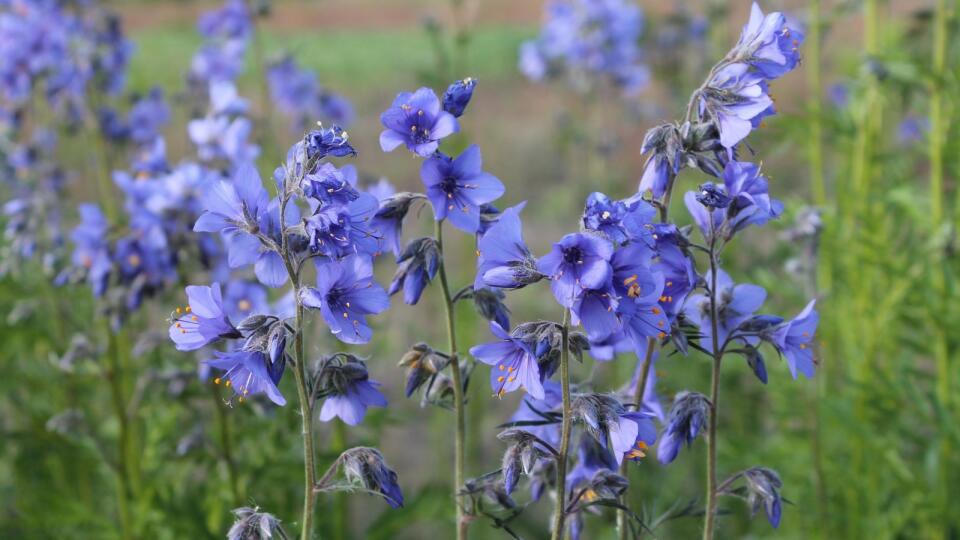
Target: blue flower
<point>239,210</point>
<point>388,220</point>
<point>148,116</point>
<point>794,340</point>
<point>418,265</point>
<point>417,121</point>
<point>576,263</point>
<point>679,274</point>
<point>596,311</point>
<point>341,230</point>
<point>232,20</point>
<point>736,100</point>
<point>330,185</point>
<point>515,363</point>
<point>770,44</point>
<point>367,467</point>
<point>345,294</point>
<point>202,321</point>
<point>249,373</point>
<point>348,391</point>
<point>625,433</point>
<point>687,417</point>
<point>503,259</point>
<point>91,250</point>
<point>458,95</point>
<point>736,303</point>
<point>331,141</point>
<point>751,202</point>
<point>458,187</point>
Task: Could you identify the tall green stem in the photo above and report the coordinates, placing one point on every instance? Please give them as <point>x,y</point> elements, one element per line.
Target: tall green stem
<point>460,437</point>
<point>812,60</point>
<point>300,376</point>
<point>622,517</point>
<point>306,414</point>
<point>711,507</point>
<point>559,513</point>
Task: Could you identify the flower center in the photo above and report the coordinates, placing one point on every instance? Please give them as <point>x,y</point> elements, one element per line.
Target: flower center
<point>573,255</point>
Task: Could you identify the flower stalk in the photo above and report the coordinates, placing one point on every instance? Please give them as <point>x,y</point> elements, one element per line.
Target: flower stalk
<point>560,515</point>
<point>458,401</point>
<point>711,506</point>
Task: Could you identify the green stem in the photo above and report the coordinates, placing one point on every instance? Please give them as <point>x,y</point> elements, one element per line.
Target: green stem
<point>812,60</point>
<point>622,517</point>
<point>711,507</point>
<point>300,377</point>
<point>306,416</point>
<point>338,444</point>
<point>559,514</point>
<point>460,437</point>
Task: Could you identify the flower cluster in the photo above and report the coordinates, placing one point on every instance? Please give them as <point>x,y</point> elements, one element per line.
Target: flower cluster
<point>62,49</point>
<point>585,40</point>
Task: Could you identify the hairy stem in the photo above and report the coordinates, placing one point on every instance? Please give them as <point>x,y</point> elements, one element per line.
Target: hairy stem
<point>711,507</point>
<point>460,437</point>
<point>622,517</point>
<point>300,376</point>
<point>559,514</point>
<point>309,469</point>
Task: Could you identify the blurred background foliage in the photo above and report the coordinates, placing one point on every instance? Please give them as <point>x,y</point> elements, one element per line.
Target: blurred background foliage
<point>867,449</point>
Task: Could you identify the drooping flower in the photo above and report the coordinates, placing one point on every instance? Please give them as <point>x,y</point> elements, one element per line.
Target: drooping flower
<point>625,433</point>
<point>417,121</point>
<point>202,321</point>
<point>389,218</point>
<point>252,524</point>
<point>736,99</point>
<point>576,263</point>
<point>664,146</point>
<point>417,266</point>
<point>794,340</point>
<point>751,202</point>
<point>367,467</point>
<point>458,187</point>
<point>347,389</point>
<point>503,259</point>
<point>687,417</point>
<point>249,373</point>
<point>514,361</point>
<point>345,294</point>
